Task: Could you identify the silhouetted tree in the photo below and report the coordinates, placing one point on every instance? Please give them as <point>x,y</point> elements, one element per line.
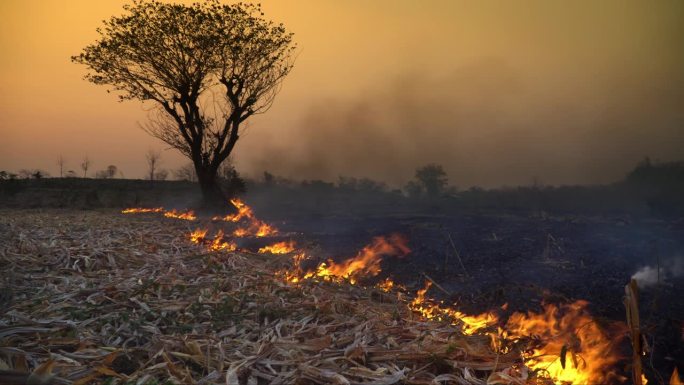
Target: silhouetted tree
<point>161,175</point>
<point>25,173</point>
<point>111,171</point>
<point>186,172</point>
<point>153,158</point>
<point>230,179</point>
<point>208,67</point>
<point>61,162</point>
<point>433,179</point>
<point>413,189</point>
<point>85,165</point>
<point>107,173</point>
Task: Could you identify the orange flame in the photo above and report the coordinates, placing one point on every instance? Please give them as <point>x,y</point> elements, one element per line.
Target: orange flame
<point>218,244</point>
<point>188,215</point>
<point>279,248</point>
<point>254,226</point>
<point>387,285</point>
<point>469,324</point>
<point>244,211</point>
<point>139,210</point>
<point>198,236</point>
<point>365,263</point>
<point>675,380</point>
<point>573,349</point>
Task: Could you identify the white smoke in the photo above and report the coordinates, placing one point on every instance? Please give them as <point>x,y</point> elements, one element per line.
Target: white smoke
<point>648,276</point>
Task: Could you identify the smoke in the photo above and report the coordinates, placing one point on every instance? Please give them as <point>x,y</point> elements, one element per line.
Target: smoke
<point>487,124</point>
<point>648,276</point>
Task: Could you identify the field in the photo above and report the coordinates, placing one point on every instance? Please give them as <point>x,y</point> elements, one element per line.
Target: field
<point>107,297</point>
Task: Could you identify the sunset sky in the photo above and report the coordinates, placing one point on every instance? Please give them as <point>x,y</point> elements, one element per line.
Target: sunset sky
<point>498,92</point>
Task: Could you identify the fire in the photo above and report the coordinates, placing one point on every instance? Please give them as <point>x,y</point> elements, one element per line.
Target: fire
<point>279,248</point>
<point>563,343</point>
<point>265,230</point>
<point>140,210</point>
<point>244,211</point>
<point>469,324</point>
<point>188,215</point>
<point>387,285</point>
<point>254,226</point>
<point>198,236</point>
<point>365,264</point>
<point>295,275</point>
<point>218,244</point>
<point>570,348</point>
<point>675,380</point>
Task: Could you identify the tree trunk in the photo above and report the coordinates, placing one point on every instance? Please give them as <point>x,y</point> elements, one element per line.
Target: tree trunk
<point>213,196</point>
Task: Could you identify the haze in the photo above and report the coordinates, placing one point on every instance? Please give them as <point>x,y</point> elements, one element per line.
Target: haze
<point>497,92</point>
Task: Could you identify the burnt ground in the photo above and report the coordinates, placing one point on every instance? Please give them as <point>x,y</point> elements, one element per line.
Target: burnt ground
<point>523,259</point>
<point>521,246</point>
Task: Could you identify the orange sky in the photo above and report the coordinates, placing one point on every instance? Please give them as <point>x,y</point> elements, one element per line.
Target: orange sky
<point>497,92</point>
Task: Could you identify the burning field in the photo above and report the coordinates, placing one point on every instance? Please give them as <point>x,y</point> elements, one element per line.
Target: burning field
<point>148,295</point>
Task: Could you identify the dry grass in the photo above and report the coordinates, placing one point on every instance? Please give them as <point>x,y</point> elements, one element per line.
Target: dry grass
<point>98,297</point>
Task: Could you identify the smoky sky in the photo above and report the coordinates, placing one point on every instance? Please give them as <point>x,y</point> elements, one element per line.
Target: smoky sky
<point>488,125</point>
<point>498,93</point>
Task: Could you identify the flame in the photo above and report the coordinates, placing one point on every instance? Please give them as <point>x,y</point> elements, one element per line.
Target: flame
<point>279,248</point>
<point>254,226</point>
<point>218,244</point>
<point>244,211</point>
<point>469,324</point>
<point>198,236</point>
<point>387,285</point>
<point>365,264</point>
<point>265,230</point>
<point>675,380</point>
<point>188,215</point>
<point>139,210</point>
<point>572,349</point>
<point>295,275</point>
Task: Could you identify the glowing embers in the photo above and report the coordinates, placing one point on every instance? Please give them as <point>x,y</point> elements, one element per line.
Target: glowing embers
<point>141,210</point>
<point>365,264</point>
<point>252,226</point>
<point>565,344</point>
<point>278,248</point>
<point>217,243</point>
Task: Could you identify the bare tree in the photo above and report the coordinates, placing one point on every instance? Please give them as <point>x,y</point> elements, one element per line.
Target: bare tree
<point>153,160</point>
<point>85,165</point>
<point>161,175</point>
<point>186,172</point>
<point>208,67</point>
<point>61,162</point>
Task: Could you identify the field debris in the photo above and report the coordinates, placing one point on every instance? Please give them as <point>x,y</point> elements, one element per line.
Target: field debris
<point>98,297</point>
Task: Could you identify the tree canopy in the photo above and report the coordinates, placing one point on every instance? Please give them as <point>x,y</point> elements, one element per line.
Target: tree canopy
<point>207,67</point>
